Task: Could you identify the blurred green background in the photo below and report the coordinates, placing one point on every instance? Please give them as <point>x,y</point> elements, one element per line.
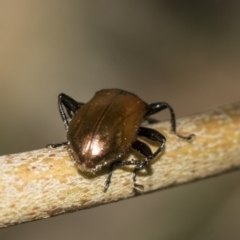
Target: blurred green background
<point>184,52</point>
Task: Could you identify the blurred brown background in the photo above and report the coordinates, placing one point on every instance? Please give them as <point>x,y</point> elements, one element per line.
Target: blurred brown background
<point>184,52</point>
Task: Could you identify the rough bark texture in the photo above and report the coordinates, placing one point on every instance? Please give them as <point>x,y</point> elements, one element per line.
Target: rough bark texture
<point>45,182</point>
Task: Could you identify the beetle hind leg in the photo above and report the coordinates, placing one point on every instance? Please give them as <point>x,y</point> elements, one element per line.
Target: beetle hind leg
<point>71,106</point>
<point>67,107</point>
<point>157,107</point>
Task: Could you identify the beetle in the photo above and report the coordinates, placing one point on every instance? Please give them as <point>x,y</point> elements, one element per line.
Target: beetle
<point>102,131</point>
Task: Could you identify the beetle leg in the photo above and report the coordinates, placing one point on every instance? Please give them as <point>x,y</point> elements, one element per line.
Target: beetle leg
<point>154,136</point>
<point>108,181</point>
<point>157,107</point>
<point>121,164</point>
<point>144,149</point>
<point>70,105</point>
<point>56,145</point>
<point>136,185</point>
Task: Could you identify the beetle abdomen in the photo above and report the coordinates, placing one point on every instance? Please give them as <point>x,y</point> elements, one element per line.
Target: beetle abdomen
<point>104,128</point>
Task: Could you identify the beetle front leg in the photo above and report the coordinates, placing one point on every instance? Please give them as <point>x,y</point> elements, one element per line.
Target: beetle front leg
<point>145,150</point>
<point>136,185</point>
<point>108,181</point>
<point>157,107</point>
<point>118,163</point>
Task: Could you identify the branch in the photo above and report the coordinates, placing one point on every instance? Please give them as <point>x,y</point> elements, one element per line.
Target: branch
<point>45,182</point>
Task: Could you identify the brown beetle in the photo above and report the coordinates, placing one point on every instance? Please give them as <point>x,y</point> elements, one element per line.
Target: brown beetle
<point>101,131</point>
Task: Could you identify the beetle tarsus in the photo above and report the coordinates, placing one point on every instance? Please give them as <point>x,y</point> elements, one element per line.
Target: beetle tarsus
<point>188,138</point>
<point>138,187</point>
<point>71,107</point>
<point>56,145</point>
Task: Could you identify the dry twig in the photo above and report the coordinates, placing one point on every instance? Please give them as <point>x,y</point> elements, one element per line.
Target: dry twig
<point>44,183</point>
